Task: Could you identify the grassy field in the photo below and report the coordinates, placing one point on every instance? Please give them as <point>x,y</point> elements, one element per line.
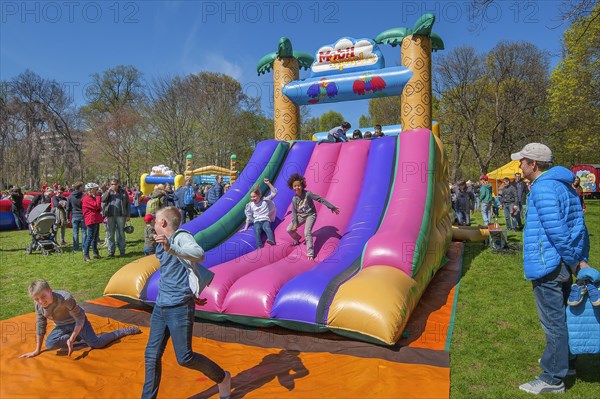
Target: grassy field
<point>65,271</point>
<point>497,337</point>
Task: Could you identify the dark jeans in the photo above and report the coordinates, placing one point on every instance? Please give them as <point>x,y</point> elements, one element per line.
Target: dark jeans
<point>60,335</point>
<point>187,211</point>
<point>91,240</point>
<point>174,322</point>
<point>148,250</point>
<point>77,222</point>
<point>464,218</point>
<point>259,227</point>
<point>510,225</point>
<point>551,293</point>
<point>18,215</point>
<point>116,227</point>
<point>517,218</point>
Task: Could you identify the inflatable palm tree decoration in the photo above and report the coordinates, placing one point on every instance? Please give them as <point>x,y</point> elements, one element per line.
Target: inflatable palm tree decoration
<point>416,46</point>
<point>285,63</point>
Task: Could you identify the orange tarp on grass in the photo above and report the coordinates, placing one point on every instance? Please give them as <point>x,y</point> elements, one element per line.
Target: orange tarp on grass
<point>284,365</point>
<point>118,371</point>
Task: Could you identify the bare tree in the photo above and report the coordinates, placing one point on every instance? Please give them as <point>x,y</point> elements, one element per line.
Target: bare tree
<point>517,81</point>
<point>495,104</point>
<point>113,115</point>
<point>8,129</point>
<point>42,111</point>
<point>568,10</point>
<point>30,122</point>
<point>171,115</point>
<point>458,83</point>
<point>222,123</point>
<point>117,137</point>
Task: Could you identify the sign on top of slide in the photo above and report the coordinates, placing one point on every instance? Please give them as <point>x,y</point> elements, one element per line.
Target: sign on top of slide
<point>347,55</point>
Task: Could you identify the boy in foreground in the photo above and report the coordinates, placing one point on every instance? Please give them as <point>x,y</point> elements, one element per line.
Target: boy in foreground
<point>173,314</point>
<point>71,323</point>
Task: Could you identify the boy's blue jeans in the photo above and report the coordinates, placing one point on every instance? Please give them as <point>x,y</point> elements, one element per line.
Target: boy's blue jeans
<point>77,222</point>
<point>175,322</point>
<point>259,227</point>
<point>59,336</point>
<point>486,213</point>
<point>116,226</point>
<point>91,240</point>
<point>464,217</point>
<point>551,293</point>
<point>508,216</point>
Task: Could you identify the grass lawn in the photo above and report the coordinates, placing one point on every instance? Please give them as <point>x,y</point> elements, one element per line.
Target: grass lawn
<point>496,341</point>
<point>497,338</point>
<point>66,271</point>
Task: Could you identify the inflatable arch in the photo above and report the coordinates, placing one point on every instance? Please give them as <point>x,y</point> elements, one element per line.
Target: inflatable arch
<point>375,259</point>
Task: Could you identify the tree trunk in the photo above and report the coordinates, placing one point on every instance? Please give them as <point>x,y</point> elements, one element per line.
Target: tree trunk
<point>417,94</point>
<point>287,114</point>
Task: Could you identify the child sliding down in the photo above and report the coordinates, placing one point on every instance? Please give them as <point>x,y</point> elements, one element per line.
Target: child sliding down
<point>304,212</point>
<point>261,212</point>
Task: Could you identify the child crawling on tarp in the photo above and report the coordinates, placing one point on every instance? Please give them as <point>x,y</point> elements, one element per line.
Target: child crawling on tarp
<point>71,324</point>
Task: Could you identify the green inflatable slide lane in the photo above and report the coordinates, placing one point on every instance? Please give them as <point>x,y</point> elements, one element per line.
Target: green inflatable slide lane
<point>231,221</point>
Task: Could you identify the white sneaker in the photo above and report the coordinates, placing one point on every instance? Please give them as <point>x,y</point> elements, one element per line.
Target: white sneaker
<point>538,386</point>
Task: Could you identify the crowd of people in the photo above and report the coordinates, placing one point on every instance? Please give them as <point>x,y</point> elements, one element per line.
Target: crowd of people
<point>468,197</point>
<point>338,134</point>
<point>86,208</point>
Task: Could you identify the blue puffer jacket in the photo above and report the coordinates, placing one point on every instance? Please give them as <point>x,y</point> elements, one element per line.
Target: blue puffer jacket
<point>555,230</point>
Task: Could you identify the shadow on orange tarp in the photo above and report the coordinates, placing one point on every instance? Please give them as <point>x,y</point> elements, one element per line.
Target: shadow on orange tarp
<point>264,363</point>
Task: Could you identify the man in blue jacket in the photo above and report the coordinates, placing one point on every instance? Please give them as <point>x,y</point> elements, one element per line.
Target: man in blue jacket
<point>556,244</point>
<point>215,192</point>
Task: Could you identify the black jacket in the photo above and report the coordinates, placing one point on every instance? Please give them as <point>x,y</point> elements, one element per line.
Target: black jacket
<point>38,200</point>
<point>522,191</point>
<point>464,201</point>
<point>509,195</point>
<point>74,204</point>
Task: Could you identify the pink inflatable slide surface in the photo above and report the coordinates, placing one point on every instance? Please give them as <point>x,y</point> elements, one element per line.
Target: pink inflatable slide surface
<point>248,285</point>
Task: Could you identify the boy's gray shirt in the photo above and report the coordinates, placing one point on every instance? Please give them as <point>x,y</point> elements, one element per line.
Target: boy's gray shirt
<point>63,310</point>
<point>305,206</point>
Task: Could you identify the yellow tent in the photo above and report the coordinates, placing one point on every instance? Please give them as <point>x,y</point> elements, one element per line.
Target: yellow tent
<point>507,170</point>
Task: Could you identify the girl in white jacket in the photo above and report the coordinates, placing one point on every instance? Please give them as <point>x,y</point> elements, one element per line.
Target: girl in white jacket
<point>261,212</point>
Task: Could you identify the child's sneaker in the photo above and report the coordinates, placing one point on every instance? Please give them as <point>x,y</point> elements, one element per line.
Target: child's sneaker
<point>594,293</point>
<point>133,330</point>
<point>576,295</point>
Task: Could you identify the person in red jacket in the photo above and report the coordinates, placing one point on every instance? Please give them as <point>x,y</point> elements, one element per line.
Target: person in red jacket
<point>91,207</point>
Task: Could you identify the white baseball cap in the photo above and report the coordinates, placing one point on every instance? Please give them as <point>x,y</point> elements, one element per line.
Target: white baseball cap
<point>534,151</point>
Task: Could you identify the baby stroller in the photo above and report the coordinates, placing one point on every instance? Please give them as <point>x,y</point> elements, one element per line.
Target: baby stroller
<point>42,230</point>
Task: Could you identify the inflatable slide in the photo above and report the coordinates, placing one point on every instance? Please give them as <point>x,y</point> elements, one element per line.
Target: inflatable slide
<point>372,261</point>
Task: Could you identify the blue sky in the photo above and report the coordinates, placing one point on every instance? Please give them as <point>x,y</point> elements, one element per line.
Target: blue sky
<point>70,40</point>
